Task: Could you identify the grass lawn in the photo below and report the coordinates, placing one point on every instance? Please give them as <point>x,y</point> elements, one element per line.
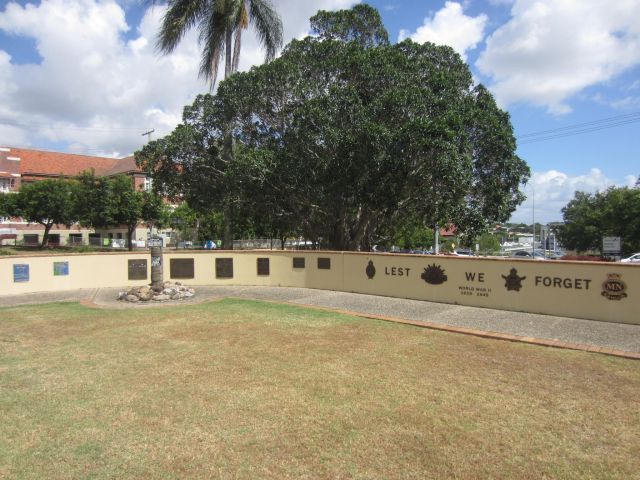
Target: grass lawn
<point>245,389</point>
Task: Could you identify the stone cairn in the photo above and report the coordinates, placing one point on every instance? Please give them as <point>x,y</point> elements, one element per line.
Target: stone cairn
<point>157,293</point>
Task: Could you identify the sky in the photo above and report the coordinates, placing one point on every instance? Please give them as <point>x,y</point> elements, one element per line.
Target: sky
<point>83,76</point>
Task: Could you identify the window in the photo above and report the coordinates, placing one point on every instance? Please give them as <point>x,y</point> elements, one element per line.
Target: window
<point>7,184</point>
<point>75,239</point>
<point>31,239</point>
<point>148,184</point>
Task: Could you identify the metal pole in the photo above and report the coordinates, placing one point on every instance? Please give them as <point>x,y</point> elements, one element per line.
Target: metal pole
<point>533,209</point>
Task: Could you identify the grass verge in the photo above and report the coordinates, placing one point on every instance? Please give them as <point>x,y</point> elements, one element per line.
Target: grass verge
<point>245,389</point>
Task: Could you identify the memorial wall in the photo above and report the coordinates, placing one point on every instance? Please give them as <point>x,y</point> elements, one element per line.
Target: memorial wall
<point>598,291</point>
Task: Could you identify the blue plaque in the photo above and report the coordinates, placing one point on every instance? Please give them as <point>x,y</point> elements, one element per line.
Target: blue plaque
<point>20,273</point>
<point>60,269</point>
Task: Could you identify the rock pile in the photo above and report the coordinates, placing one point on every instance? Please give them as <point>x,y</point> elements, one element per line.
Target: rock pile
<point>162,293</point>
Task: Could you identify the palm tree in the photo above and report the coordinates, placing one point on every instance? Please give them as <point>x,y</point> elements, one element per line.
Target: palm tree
<point>220,24</point>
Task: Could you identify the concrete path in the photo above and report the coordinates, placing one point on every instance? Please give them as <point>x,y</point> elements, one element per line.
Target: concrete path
<point>610,338</point>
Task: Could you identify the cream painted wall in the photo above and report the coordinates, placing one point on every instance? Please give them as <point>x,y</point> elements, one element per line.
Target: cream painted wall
<point>599,291</point>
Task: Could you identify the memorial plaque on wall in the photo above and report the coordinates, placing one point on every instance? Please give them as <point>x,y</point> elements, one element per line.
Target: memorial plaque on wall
<point>20,272</point>
<point>298,262</point>
<point>263,266</point>
<point>224,267</point>
<point>138,269</point>
<point>324,263</point>
<point>60,269</point>
<point>181,268</point>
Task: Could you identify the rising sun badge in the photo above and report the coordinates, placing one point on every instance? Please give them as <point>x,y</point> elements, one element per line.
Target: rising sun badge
<point>434,274</point>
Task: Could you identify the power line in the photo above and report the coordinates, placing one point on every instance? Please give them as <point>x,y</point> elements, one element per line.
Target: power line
<point>578,132</point>
<point>62,127</point>
<point>579,125</point>
<point>579,128</point>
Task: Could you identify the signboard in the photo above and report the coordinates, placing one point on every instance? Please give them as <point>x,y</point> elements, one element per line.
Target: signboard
<point>611,245</point>
<point>154,242</point>
<point>60,269</point>
<point>20,273</point>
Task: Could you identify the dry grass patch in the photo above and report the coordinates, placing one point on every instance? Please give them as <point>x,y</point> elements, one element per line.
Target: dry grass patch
<point>244,389</point>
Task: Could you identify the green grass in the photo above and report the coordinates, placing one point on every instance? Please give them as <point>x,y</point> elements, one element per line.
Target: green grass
<point>245,389</point>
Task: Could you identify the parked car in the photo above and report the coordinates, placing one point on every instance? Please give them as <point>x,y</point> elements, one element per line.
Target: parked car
<point>536,255</point>
<point>463,252</point>
<point>635,258</point>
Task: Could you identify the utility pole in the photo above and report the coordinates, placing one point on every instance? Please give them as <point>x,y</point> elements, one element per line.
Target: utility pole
<point>533,209</point>
<point>148,134</point>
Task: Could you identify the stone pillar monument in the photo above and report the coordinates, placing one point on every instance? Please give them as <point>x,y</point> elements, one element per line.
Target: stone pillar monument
<point>157,277</point>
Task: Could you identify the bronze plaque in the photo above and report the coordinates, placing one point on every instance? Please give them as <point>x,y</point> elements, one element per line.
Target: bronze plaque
<point>324,264</point>
<point>224,267</point>
<point>298,262</point>
<point>181,268</point>
<point>138,269</point>
<point>263,266</point>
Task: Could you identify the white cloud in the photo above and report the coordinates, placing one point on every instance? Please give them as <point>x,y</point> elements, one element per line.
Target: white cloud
<point>630,180</point>
<point>550,49</point>
<point>295,16</point>
<point>550,191</point>
<point>450,26</point>
<point>95,90</point>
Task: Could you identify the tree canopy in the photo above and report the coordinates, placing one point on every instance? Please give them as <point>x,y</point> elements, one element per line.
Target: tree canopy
<point>104,202</point>
<point>590,216</point>
<point>361,24</point>
<point>47,202</point>
<point>346,138</point>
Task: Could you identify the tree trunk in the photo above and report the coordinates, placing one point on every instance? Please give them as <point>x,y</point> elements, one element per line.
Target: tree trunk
<point>130,231</point>
<point>228,55</point>
<point>227,233</point>
<point>45,236</point>
<point>227,154</point>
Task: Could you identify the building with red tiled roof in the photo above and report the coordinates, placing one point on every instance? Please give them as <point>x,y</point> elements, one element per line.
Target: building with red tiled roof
<point>34,165</point>
<point>21,165</point>
<point>450,231</point>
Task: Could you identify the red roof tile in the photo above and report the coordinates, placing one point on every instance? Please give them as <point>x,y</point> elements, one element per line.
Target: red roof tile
<point>449,231</point>
<point>37,162</point>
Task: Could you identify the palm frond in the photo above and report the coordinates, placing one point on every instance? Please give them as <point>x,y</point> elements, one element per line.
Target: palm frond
<point>268,26</point>
<point>212,37</point>
<point>180,17</point>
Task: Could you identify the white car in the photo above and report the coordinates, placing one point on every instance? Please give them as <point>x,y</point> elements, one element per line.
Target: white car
<point>635,258</point>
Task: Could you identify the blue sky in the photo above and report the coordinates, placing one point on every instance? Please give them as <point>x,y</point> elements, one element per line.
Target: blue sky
<point>82,76</point>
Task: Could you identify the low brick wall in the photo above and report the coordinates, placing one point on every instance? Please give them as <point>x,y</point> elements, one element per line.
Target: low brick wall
<point>599,291</point>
